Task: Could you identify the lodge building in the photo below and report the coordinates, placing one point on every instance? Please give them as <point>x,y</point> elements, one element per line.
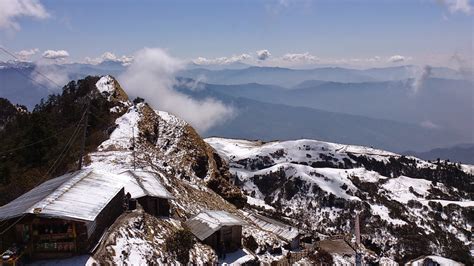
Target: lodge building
<point>68,215</point>
<point>64,216</point>
<point>146,188</point>
<point>217,229</point>
<point>287,233</point>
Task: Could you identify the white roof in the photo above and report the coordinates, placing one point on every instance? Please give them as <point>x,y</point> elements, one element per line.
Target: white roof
<point>284,231</point>
<point>80,195</point>
<point>143,183</point>
<point>207,222</point>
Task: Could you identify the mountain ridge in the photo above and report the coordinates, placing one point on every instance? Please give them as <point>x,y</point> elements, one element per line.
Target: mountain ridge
<point>201,175</point>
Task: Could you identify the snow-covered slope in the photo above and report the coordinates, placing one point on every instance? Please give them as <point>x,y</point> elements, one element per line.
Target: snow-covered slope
<point>188,167</point>
<point>407,206</point>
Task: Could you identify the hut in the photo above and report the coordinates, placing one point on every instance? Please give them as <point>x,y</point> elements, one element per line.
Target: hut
<point>285,232</point>
<point>63,216</point>
<point>146,188</point>
<point>217,228</point>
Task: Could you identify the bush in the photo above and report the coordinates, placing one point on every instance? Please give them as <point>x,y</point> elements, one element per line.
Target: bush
<point>250,243</point>
<point>322,257</point>
<point>179,244</point>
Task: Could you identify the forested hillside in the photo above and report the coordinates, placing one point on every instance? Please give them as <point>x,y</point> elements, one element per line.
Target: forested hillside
<point>46,142</point>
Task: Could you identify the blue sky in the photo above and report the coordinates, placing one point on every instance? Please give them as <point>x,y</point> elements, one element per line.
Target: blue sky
<point>420,31</point>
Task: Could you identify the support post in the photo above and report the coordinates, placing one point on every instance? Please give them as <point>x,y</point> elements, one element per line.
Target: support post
<point>83,143</point>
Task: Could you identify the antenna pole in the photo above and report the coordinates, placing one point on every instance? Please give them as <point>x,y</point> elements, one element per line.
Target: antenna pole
<point>133,147</point>
<point>357,235</point>
<point>83,144</point>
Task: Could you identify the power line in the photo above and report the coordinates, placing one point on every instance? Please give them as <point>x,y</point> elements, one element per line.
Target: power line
<point>34,70</point>
<point>33,143</point>
<point>54,165</point>
<point>31,79</point>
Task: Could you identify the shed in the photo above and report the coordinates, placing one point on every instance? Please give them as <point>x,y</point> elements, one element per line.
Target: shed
<point>63,216</point>
<point>287,233</point>
<point>146,188</point>
<point>215,228</point>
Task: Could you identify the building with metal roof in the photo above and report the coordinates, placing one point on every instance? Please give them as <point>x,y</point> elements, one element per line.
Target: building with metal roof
<point>146,188</point>
<point>63,216</point>
<point>80,195</point>
<point>287,233</point>
<point>218,229</point>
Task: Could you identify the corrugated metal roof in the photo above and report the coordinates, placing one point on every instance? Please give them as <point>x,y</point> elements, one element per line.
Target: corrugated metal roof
<point>143,183</point>
<point>282,230</point>
<point>80,195</point>
<point>207,222</point>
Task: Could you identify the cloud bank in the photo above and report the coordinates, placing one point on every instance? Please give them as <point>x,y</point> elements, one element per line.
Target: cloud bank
<point>420,77</point>
<point>263,54</point>
<point>222,60</point>
<point>455,6</point>
<point>12,10</point>
<point>109,56</point>
<point>26,54</point>
<point>397,59</point>
<point>55,55</point>
<point>52,76</point>
<point>152,76</point>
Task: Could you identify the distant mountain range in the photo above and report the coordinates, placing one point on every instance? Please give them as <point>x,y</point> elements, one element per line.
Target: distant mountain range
<point>373,107</point>
<point>22,84</point>
<point>463,153</point>
<point>438,104</point>
<point>292,77</point>
<point>269,121</point>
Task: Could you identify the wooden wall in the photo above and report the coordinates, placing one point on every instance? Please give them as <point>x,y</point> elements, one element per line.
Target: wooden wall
<point>155,206</point>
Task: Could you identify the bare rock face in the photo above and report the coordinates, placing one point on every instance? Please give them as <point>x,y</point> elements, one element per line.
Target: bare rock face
<point>179,146</point>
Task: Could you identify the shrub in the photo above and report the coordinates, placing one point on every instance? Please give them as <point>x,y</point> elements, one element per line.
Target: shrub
<point>321,257</point>
<point>179,244</point>
<point>250,243</point>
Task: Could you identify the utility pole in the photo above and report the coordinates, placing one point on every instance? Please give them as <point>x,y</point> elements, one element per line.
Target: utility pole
<point>133,147</point>
<point>83,144</point>
<point>358,258</point>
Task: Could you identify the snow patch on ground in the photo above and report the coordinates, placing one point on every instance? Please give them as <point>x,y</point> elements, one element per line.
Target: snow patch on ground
<point>383,212</point>
<point>105,84</point>
<point>127,129</point>
<point>399,188</point>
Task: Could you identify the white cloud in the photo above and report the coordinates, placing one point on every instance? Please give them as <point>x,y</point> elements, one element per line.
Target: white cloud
<point>263,54</point>
<point>55,54</point>
<point>300,58</point>
<point>12,10</point>
<point>464,64</point>
<point>109,56</point>
<point>26,54</point>
<point>52,76</point>
<point>397,59</point>
<point>152,76</point>
<point>429,124</point>
<point>455,6</point>
<point>374,59</point>
<point>421,75</point>
<point>222,60</point>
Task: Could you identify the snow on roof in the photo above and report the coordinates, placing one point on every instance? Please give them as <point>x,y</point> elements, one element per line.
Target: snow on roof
<point>207,222</point>
<point>284,231</point>
<point>143,183</point>
<point>441,260</point>
<point>80,195</point>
